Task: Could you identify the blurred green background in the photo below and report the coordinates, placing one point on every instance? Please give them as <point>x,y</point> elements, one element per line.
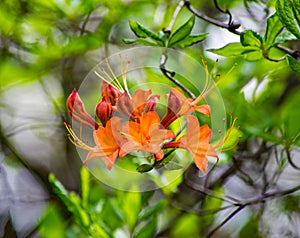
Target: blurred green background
<point>48,47</point>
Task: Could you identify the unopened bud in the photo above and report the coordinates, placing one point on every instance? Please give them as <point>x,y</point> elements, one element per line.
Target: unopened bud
<point>104,111</point>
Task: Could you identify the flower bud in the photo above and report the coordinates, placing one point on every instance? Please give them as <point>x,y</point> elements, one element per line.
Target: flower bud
<point>104,111</point>
<point>77,111</point>
<point>109,92</point>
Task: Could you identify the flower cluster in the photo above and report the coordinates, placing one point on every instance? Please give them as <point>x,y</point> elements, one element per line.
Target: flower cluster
<point>143,130</point>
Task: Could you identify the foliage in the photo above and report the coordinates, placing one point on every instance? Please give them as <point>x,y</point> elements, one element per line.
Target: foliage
<point>48,47</point>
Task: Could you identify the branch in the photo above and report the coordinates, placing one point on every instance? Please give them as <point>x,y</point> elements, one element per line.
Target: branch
<point>170,75</point>
<point>175,14</point>
<point>231,26</point>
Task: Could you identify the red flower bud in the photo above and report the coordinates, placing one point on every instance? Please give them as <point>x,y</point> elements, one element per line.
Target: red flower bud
<point>77,111</point>
<point>104,111</point>
<point>109,92</point>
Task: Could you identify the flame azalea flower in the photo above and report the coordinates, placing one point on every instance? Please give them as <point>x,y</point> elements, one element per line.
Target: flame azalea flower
<point>147,135</point>
<point>77,111</point>
<point>196,141</point>
<point>133,107</point>
<point>107,140</point>
<point>179,105</point>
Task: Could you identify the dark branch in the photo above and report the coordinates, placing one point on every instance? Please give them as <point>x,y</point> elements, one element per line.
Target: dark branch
<point>170,75</point>
<point>232,27</point>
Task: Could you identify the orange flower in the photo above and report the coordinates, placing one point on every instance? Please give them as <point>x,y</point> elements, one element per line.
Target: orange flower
<point>196,141</point>
<point>134,106</point>
<point>179,105</point>
<point>147,135</point>
<point>107,139</point>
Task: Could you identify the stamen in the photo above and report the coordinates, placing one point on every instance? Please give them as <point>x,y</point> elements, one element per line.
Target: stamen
<point>124,70</point>
<point>212,69</point>
<point>104,79</point>
<point>115,79</point>
<point>75,140</point>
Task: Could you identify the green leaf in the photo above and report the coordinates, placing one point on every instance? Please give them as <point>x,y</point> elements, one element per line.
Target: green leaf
<point>296,7</point>
<point>144,168</point>
<point>294,64</point>
<point>130,204</point>
<point>152,211</point>
<point>233,49</point>
<point>52,224</point>
<point>139,41</point>
<point>111,214</point>
<point>286,15</point>
<point>274,27</point>
<point>146,229</point>
<point>253,56</point>
<point>250,229</point>
<point>182,32</point>
<point>284,37</point>
<point>85,186</point>
<point>142,32</point>
<point>191,40</point>
<point>250,38</point>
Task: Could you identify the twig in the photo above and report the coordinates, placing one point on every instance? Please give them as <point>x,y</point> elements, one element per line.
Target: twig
<point>232,27</point>
<point>224,11</point>
<point>290,160</point>
<point>170,75</point>
<point>86,20</point>
<point>176,12</point>
<point>225,220</point>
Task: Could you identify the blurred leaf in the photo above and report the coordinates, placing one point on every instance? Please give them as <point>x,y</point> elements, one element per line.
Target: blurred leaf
<point>144,168</point>
<point>146,229</point>
<point>111,214</point>
<point>191,40</point>
<point>290,118</point>
<point>130,204</point>
<point>253,56</point>
<point>52,224</point>
<point>188,225</point>
<point>233,49</point>
<point>232,136</point>
<point>182,32</point>
<point>286,15</point>
<point>250,229</point>
<point>296,8</point>
<point>85,186</point>
<point>274,27</point>
<point>139,41</point>
<point>294,64</point>
<point>142,32</point>
<point>251,38</point>
<point>152,210</point>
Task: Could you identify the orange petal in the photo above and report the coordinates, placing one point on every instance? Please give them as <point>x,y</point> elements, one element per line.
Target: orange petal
<point>204,109</point>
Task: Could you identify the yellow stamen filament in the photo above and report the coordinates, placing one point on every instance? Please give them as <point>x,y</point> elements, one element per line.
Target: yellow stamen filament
<point>218,79</point>
<point>104,79</point>
<point>223,141</point>
<point>75,140</point>
<point>124,70</point>
<point>115,79</point>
